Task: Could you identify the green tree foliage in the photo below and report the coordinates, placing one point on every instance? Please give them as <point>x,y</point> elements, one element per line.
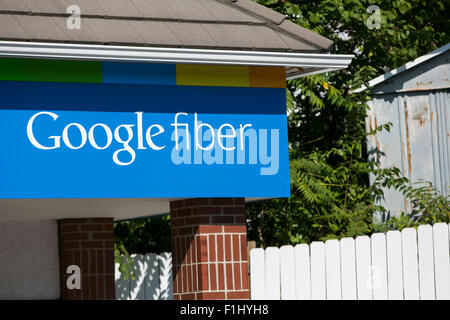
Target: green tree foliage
<point>331,195</point>
<point>144,235</point>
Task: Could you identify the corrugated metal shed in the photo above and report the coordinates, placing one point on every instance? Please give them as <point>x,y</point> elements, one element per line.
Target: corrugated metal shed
<point>415,98</point>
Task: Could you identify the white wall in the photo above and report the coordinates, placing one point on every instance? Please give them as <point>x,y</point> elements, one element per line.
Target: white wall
<point>29,260</point>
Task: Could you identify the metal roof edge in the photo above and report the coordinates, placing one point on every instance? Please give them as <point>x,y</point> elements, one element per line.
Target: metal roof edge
<point>405,67</point>
<point>321,62</point>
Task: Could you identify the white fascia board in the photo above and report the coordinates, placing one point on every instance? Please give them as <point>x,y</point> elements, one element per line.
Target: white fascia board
<point>171,55</point>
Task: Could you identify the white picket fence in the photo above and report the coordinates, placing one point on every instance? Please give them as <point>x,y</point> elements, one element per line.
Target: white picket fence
<point>153,279</point>
<point>397,265</point>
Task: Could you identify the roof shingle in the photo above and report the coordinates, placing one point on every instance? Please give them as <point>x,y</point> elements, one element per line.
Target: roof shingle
<point>215,24</point>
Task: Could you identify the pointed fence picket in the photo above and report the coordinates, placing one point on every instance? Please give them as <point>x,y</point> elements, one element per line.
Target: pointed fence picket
<point>412,264</point>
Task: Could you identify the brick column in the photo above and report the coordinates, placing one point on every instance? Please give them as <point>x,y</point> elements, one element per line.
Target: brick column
<point>209,249</point>
<point>89,244</point>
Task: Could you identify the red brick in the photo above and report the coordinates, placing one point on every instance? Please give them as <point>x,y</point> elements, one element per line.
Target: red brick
<point>239,201</point>
<point>203,277</point>
<point>244,253</point>
<point>238,295</point>
<point>213,277</point>
<point>221,275</point>
<point>203,248</point>
<point>236,248</point>
<point>92,227</point>
<point>177,222</point>
<point>212,248</point>
<point>108,227</point>
<point>197,220</point>
<point>176,204</point>
<point>244,271</point>
<point>234,210</point>
<point>220,248</point>
<point>228,248</point>
<point>93,287</point>
<point>184,277</point>
<point>103,236</point>
<point>84,262</point>
<point>185,231</point>
<point>194,277</point>
<point>196,202</point>
<point>179,250</point>
<point>240,220</point>
<point>235,229</point>
<point>209,229</point>
<point>74,236</point>
<point>184,212</point>
<point>100,287</point>
<point>229,273</point>
<point>237,276</point>
<point>67,259</point>
<point>100,262</point>
<point>110,287</point>
<point>69,245</point>
<point>207,210</point>
<point>222,201</point>
<point>76,294</point>
<point>222,219</point>
<point>91,244</point>
<point>109,261</point>
<point>77,257</point>
<point>108,244</point>
<point>188,253</point>
<point>187,296</point>
<point>69,228</point>
<point>175,279</point>
<point>211,296</point>
<point>85,287</point>
<point>189,278</point>
<point>92,262</point>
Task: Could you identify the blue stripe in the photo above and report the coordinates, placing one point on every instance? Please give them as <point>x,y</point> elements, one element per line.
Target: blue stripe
<point>139,73</point>
<point>138,97</point>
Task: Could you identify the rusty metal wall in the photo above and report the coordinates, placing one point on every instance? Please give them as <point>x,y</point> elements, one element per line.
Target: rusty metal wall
<point>417,103</point>
<point>418,142</point>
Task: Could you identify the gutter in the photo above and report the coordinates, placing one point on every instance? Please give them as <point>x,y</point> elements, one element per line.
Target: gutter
<point>317,62</point>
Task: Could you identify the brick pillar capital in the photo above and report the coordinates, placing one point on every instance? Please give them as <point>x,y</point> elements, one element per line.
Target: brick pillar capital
<point>209,248</point>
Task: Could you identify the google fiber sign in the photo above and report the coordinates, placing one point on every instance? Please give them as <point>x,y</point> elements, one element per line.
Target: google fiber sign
<point>110,140</point>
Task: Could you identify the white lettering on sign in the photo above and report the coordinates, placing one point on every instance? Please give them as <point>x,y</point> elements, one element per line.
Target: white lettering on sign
<point>210,145</point>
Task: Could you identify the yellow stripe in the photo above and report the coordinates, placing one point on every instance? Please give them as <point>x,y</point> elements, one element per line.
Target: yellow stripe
<point>268,77</point>
<point>215,76</point>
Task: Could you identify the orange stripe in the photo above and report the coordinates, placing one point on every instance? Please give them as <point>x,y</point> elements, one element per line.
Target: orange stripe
<point>268,77</point>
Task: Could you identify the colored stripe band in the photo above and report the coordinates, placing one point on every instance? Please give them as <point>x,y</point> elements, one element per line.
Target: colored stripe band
<point>12,69</point>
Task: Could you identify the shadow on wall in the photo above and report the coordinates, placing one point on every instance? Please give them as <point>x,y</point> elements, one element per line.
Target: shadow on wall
<point>153,278</point>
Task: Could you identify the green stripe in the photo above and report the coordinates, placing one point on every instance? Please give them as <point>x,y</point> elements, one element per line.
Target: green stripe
<point>50,70</point>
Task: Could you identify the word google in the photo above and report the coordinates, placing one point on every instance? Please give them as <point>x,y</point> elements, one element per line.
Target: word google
<point>124,135</point>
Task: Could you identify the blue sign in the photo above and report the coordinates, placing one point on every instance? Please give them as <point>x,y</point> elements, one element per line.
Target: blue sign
<point>75,140</point>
